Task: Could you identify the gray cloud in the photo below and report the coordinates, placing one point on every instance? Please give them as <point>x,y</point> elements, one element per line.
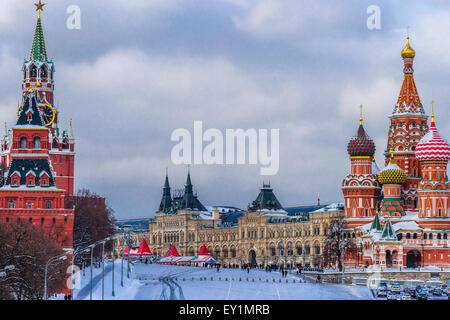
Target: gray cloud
<point>135,72</point>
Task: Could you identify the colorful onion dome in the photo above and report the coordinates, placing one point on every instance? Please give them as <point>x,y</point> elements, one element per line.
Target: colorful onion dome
<point>361,145</point>
<point>392,174</point>
<point>432,147</point>
<point>408,52</point>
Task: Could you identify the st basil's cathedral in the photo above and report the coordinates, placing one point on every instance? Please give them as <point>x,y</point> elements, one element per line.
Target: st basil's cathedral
<point>37,158</point>
<point>399,216</point>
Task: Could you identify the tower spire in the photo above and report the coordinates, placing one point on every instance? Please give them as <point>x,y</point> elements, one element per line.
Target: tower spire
<point>360,115</point>
<point>432,110</point>
<point>38,51</point>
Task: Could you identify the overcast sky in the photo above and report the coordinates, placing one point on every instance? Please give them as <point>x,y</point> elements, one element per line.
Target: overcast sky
<point>139,69</point>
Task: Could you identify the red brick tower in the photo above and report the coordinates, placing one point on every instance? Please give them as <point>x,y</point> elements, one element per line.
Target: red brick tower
<point>360,188</point>
<point>37,161</point>
<point>408,123</point>
<point>38,73</point>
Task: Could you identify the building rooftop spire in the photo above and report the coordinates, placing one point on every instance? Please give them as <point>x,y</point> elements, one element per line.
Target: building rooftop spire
<point>408,101</point>
<point>38,52</point>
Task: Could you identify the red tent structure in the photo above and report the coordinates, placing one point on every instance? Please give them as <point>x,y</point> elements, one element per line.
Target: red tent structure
<point>133,252</point>
<point>144,250</point>
<point>203,251</point>
<point>174,252</point>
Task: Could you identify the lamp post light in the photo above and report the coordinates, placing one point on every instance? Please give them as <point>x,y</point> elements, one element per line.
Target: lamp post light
<point>60,257</point>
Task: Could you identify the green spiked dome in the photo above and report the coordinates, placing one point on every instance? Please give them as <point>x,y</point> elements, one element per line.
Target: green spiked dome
<point>361,145</point>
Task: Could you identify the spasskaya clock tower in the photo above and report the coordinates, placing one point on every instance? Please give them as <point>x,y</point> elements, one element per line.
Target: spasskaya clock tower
<point>39,76</point>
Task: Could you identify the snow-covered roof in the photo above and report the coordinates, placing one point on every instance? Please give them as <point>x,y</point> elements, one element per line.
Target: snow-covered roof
<point>331,207</point>
<point>406,225</point>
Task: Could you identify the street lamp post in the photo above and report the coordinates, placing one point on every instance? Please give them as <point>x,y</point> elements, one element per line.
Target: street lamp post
<point>60,257</point>
<point>103,269</point>
<point>113,242</point>
<point>121,271</point>
<point>92,257</point>
<point>73,263</point>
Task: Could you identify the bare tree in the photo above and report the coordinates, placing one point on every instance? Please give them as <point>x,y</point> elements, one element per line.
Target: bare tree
<point>337,244</point>
<point>94,221</point>
<point>29,249</point>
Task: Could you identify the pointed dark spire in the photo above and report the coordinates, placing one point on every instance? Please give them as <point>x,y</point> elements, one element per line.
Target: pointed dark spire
<point>166,201</point>
<point>188,199</point>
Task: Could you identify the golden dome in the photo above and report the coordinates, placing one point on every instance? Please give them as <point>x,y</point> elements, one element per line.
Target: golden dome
<point>408,52</point>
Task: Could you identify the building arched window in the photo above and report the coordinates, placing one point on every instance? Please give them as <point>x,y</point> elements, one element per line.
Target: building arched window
<point>414,235</point>
<point>399,236</point>
<point>439,236</point>
<point>43,72</point>
<point>408,236</point>
<point>23,143</point>
<point>36,143</point>
<point>33,71</point>
<point>11,204</point>
<point>48,204</point>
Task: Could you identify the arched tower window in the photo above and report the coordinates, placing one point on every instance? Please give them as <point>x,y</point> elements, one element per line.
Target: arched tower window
<point>23,143</point>
<point>36,143</point>
<point>43,72</point>
<point>33,71</point>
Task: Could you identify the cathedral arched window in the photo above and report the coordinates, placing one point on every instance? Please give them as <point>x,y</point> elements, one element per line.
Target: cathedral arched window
<point>439,236</point>
<point>23,143</point>
<point>36,143</point>
<point>11,204</point>
<point>408,236</point>
<point>48,204</point>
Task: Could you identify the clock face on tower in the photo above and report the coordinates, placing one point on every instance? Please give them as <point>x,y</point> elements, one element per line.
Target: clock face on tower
<point>48,113</point>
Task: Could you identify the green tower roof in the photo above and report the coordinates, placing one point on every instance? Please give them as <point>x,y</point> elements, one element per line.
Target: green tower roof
<point>388,232</point>
<point>376,224</point>
<point>38,52</point>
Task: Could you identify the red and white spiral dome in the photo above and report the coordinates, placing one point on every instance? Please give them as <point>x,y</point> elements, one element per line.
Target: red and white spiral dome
<point>432,147</point>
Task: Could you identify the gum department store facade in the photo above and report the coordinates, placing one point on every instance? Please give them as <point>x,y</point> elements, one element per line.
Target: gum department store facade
<point>265,234</point>
<point>396,217</point>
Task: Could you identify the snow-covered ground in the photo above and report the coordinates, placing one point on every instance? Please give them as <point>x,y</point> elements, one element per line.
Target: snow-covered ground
<point>156,282</point>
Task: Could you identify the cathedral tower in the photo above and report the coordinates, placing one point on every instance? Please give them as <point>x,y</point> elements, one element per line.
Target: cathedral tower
<point>408,123</point>
<point>360,188</point>
<point>433,153</point>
